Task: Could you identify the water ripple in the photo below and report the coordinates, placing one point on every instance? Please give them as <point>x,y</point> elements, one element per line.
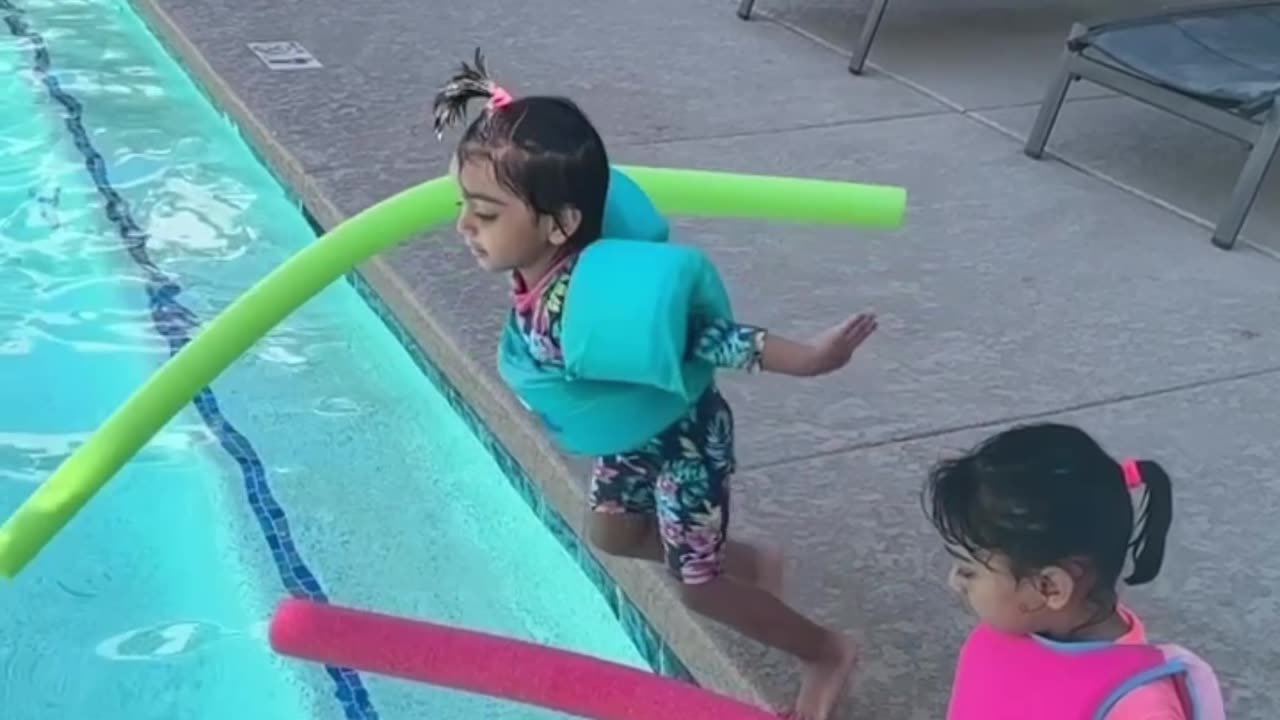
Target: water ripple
<point>167,640</point>
<point>161,641</point>
<point>31,457</point>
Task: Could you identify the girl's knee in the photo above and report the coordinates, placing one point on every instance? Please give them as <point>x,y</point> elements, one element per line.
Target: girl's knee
<point>621,535</point>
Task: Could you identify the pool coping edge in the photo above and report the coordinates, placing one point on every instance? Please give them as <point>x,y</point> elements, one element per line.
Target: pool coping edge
<point>643,585</point>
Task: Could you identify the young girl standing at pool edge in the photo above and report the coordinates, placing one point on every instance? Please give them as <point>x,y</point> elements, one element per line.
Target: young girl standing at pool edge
<point>1040,521</point>
<point>534,177</point>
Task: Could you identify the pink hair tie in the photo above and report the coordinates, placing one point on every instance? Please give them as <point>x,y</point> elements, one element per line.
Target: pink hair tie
<point>1132,476</point>
<point>498,97</point>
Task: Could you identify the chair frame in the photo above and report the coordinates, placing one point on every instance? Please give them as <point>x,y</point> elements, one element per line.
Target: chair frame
<point>1262,134</point>
<point>867,36</point>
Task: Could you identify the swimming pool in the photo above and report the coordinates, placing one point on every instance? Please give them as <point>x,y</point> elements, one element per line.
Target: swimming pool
<point>324,464</point>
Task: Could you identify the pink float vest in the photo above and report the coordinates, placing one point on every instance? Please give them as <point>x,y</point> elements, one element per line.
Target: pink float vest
<point>1015,677</point>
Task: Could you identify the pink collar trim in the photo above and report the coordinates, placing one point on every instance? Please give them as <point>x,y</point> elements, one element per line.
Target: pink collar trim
<point>525,298</point>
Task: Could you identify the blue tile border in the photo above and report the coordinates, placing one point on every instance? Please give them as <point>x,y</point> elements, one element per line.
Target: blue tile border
<point>661,658</point>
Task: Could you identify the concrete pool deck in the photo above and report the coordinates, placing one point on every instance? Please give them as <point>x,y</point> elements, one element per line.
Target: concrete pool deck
<point>1019,290</point>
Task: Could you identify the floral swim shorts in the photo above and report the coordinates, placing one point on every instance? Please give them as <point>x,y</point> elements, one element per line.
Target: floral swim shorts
<point>681,477</point>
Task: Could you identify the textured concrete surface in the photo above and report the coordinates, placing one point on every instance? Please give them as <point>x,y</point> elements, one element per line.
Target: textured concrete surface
<point>976,53</point>
<point>1019,288</point>
<point>994,59</point>
<point>382,65</point>
<point>1171,159</point>
<point>979,41</point>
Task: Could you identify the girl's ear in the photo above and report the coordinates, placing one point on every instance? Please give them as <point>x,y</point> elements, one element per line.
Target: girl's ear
<point>564,225</point>
<point>1056,586</point>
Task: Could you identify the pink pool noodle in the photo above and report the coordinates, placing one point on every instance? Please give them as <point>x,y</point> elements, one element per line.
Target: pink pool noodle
<point>490,665</point>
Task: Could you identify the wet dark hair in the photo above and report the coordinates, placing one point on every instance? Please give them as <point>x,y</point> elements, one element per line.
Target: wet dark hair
<point>543,149</point>
<point>1048,494</point>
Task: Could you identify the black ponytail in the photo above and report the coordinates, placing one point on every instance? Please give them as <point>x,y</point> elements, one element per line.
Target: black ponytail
<point>471,82</point>
<point>1047,494</point>
<point>1153,523</point>
<point>543,149</point>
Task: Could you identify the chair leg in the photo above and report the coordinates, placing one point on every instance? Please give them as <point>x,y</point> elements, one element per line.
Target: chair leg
<point>870,26</point>
<point>1250,181</point>
<point>745,7</point>
<point>1050,107</point>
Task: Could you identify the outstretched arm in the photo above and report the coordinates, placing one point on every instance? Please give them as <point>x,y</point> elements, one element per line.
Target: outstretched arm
<point>733,346</point>
<point>728,345</point>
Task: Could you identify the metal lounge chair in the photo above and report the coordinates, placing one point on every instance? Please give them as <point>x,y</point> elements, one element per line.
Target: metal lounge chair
<point>1214,65</point>
<point>862,48</point>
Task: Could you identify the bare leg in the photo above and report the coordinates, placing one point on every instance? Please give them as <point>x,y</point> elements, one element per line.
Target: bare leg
<point>829,658</point>
<point>747,598</point>
<point>636,536</point>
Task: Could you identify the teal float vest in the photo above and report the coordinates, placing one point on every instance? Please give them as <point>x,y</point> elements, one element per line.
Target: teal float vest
<point>632,298</point>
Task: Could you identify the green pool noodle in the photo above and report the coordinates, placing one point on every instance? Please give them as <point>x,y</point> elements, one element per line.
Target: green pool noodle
<point>702,193</point>
<point>695,193</point>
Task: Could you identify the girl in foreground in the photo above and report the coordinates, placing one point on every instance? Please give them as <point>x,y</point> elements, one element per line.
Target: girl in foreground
<point>534,178</point>
<point>1040,521</point>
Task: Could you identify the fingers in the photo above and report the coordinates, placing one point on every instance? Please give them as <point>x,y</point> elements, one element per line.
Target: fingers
<point>858,321</point>
<point>858,328</point>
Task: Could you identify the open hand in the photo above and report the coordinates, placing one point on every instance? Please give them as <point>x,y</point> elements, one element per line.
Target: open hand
<point>834,348</point>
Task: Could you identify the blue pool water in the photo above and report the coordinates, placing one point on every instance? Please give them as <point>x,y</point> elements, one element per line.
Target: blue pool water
<point>323,464</point>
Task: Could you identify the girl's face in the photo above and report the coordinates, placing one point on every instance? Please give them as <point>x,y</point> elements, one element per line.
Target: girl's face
<point>502,232</point>
<point>1001,600</point>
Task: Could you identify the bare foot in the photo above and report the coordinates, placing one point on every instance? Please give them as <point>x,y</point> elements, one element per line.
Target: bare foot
<point>825,681</point>
<point>769,574</point>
